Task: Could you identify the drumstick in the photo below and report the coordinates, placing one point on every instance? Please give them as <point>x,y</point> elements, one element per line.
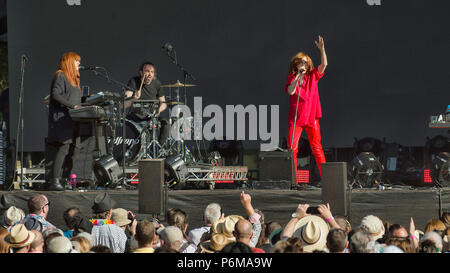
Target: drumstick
<point>142,83</point>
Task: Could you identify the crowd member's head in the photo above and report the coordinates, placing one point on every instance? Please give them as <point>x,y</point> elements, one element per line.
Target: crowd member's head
<point>431,243</point>
<point>145,233</point>
<point>343,223</point>
<point>37,246</point>
<point>212,213</point>
<point>313,231</point>
<point>236,247</point>
<point>72,217</point>
<point>291,245</point>
<point>20,239</point>
<point>373,226</point>
<point>81,244</point>
<point>397,231</point>
<point>437,226</point>
<point>103,206</point>
<point>178,218</point>
<point>12,216</point>
<point>60,244</point>
<point>100,249</point>
<point>39,204</point>
<point>120,217</point>
<point>360,242</point>
<point>243,231</point>
<point>405,244</point>
<point>337,240</point>
<point>172,237</point>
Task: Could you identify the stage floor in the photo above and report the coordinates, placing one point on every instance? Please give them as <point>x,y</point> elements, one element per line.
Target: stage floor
<point>396,205</point>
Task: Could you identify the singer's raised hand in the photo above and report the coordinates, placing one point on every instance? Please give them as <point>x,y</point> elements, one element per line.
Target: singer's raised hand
<point>320,43</point>
<point>324,61</point>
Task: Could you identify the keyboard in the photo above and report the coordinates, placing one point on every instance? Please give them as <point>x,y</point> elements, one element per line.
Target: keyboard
<point>88,113</point>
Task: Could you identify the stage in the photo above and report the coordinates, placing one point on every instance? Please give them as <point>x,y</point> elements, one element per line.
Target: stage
<point>396,205</point>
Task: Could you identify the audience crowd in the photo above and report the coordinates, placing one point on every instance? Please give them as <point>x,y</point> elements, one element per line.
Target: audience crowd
<point>115,230</point>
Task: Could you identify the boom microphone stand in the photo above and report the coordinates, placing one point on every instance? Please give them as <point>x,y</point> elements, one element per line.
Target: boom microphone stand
<point>169,48</point>
<point>295,119</point>
<point>20,124</point>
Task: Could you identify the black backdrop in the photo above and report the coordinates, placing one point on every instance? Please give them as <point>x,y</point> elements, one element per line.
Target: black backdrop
<point>387,68</point>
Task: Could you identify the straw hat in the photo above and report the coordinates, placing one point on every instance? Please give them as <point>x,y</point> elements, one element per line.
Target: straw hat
<point>373,225</point>
<point>20,236</point>
<point>120,217</point>
<point>313,231</point>
<point>11,216</point>
<point>217,242</point>
<point>226,225</point>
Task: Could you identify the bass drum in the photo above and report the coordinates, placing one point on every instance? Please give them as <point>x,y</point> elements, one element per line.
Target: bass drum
<point>134,143</point>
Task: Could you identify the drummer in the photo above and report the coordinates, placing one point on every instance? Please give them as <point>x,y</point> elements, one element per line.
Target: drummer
<point>148,88</point>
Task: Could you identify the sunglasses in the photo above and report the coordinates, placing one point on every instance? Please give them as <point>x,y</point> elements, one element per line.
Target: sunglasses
<point>48,203</point>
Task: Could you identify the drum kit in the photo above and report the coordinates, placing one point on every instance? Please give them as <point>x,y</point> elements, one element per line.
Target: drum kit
<point>142,124</point>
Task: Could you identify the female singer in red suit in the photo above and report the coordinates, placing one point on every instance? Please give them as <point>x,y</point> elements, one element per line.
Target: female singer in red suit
<point>308,111</point>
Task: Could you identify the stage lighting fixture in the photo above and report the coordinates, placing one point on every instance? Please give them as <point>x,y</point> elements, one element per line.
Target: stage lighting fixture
<point>366,170</point>
<point>368,144</point>
<point>107,171</point>
<point>175,170</point>
<point>441,169</point>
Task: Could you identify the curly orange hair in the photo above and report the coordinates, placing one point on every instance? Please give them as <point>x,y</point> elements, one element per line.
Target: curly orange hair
<point>297,59</point>
<point>67,65</point>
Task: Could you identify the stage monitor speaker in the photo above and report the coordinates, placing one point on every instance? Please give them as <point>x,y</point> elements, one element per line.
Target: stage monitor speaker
<point>334,188</point>
<point>277,166</point>
<point>152,195</point>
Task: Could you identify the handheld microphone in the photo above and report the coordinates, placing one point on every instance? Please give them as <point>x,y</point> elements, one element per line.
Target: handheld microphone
<point>81,67</point>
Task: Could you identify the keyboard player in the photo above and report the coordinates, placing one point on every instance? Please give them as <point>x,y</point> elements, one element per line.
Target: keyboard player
<point>63,132</point>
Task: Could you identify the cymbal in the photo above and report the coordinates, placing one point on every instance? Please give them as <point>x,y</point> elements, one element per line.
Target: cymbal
<point>178,84</point>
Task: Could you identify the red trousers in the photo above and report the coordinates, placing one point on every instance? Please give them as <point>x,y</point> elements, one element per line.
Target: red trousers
<point>314,137</point>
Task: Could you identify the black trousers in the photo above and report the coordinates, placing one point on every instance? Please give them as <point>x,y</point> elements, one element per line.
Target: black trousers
<point>59,158</point>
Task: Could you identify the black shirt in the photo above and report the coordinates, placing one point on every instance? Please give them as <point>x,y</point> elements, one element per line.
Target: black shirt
<point>151,91</point>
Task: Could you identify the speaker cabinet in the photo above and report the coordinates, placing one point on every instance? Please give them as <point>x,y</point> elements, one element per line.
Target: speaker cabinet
<point>277,166</point>
<point>334,188</point>
<point>152,195</point>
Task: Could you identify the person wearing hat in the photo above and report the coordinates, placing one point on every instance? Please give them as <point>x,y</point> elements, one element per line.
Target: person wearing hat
<point>122,218</point>
<point>11,217</point>
<point>61,244</point>
<point>105,231</point>
<point>20,239</point>
<point>172,237</point>
<point>215,245</point>
<point>311,229</point>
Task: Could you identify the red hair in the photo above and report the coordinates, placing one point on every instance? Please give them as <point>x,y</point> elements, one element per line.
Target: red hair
<point>67,65</point>
<point>297,59</point>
